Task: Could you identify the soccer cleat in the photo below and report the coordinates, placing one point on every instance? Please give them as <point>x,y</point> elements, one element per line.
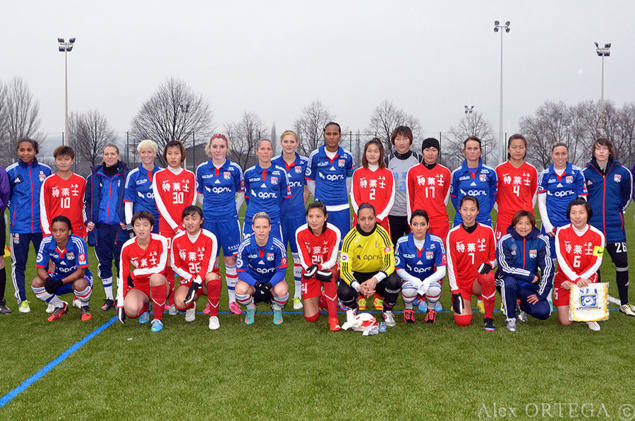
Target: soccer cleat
<point>431,316</point>
<point>190,314</point>
<point>58,312</point>
<point>626,309</point>
<point>423,305</point>
<point>409,316</point>
<point>208,308</point>
<point>341,306</point>
<point>522,316</point>
<point>250,316</point>
<point>297,304</point>
<point>144,318</point>
<point>511,325</point>
<point>77,303</point>
<point>51,307</point>
<point>378,303</point>
<point>334,324</point>
<point>3,308</point>
<point>86,314</point>
<point>234,308</point>
<point>157,325</point>
<point>389,318</point>
<point>214,323</point>
<point>489,324</point>
<point>438,307</point>
<point>594,326</point>
<point>361,303</point>
<point>277,317</point>
<point>481,306</point>
<point>172,310</point>
<point>24,307</point>
<point>108,304</point>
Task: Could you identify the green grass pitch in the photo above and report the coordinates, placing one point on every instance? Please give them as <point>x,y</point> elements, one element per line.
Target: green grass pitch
<point>301,370</point>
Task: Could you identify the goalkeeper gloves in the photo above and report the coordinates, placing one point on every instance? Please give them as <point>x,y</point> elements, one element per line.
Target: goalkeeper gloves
<point>130,281</point>
<point>52,286</point>
<point>310,272</point>
<point>484,268</point>
<point>324,275</point>
<point>121,315</point>
<point>457,303</point>
<point>191,292</point>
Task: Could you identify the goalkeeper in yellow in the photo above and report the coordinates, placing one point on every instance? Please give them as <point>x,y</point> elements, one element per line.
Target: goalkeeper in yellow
<point>367,265</point>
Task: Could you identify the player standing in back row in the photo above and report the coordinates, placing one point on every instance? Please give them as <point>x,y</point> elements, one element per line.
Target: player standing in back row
<point>329,175</point>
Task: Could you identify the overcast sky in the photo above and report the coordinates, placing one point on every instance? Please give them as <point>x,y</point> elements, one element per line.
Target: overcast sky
<point>274,57</point>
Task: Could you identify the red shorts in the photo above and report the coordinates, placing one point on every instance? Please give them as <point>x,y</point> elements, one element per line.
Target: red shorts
<point>466,294</point>
<point>440,231</point>
<point>141,287</point>
<point>312,288</point>
<point>166,231</point>
<point>561,296</point>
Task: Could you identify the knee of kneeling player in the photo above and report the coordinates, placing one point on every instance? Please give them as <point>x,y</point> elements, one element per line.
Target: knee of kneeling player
<point>541,310</point>
<point>408,293</point>
<point>312,318</point>
<point>346,293</point>
<point>463,319</point>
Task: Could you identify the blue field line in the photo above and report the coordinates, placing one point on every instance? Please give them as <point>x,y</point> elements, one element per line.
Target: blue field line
<point>37,376</point>
<point>342,312</point>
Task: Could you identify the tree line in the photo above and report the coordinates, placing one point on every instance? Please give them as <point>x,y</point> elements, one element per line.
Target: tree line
<point>176,111</point>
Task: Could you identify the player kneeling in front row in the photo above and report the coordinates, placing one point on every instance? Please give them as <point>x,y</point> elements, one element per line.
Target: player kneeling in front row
<point>318,244</point>
<point>261,266</point>
<point>193,255</point>
<point>471,257</point>
<point>367,265</point>
<point>67,252</point>
<point>579,247</point>
<point>521,252</point>
<point>142,273</point>
<point>420,262</point>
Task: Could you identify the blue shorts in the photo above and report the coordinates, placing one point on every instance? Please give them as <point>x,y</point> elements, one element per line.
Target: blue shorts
<point>342,220</point>
<point>289,227</point>
<point>67,288</point>
<point>276,231</point>
<point>227,233</point>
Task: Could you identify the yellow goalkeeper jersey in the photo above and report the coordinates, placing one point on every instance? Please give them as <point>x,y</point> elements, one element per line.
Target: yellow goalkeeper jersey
<point>366,253</point>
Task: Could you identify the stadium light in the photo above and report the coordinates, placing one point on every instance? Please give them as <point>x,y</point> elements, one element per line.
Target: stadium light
<point>602,52</point>
<point>469,110</point>
<point>501,147</point>
<point>66,47</point>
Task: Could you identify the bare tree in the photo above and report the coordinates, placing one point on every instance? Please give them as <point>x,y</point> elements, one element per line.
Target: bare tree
<point>310,126</point>
<point>21,113</point>
<point>623,135</point>
<point>89,132</point>
<point>174,111</point>
<point>243,137</point>
<point>3,116</point>
<point>386,118</point>
<point>472,124</point>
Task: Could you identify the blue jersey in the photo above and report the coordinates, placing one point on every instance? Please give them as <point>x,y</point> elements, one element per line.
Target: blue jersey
<point>479,182</point>
<point>560,191</point>
<point>420,263</point>
<point>294,206</point>
<point>219,187</point>
<point>521,257</point>
<point>609,196</point>
<point>66,261</point>
<point>265,189</point>
<point>25,183</point>
<point>139,191</point>
<point>104,195</point>
<point>330,176</point>
<point>260,263</point>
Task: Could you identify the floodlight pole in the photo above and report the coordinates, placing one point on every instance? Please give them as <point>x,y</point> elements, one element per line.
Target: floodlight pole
<point>602,52</point>
<point>502,28</point>
<point>66,47</point>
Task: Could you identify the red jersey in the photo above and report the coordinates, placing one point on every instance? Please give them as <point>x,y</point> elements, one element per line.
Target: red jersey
<point>466,252</point>
<point>63,197</point>
<point>173,192</point>
<point>579,255</point>
<point>517,189</point>
<point>376,188</point>
<point>430,190</point>
<point>321,250</point>
<point>145,262</point>
<point>193,256</point>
